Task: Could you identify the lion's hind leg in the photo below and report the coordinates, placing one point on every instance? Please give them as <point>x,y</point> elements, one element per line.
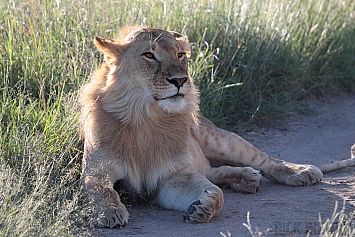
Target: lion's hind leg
<point>239,179</point>
<point>191,192</point>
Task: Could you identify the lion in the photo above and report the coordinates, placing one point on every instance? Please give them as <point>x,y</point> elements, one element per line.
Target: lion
<point>141,124</point>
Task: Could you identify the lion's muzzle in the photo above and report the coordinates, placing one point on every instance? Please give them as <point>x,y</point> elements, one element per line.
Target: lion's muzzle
<point>178,82</point>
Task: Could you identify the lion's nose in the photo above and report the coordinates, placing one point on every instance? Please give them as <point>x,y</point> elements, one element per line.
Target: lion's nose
<point>178,82</point>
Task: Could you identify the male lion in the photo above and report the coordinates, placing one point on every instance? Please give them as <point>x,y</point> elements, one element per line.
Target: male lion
<point>141,125</point>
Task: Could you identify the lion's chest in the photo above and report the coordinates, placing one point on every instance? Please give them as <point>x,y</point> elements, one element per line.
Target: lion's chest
<point>150,155</point>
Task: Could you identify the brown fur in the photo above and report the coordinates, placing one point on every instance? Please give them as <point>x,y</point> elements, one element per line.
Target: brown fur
<point>141,125</point>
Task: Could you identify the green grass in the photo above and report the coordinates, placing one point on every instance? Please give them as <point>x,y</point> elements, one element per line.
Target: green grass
<point>252,60</point>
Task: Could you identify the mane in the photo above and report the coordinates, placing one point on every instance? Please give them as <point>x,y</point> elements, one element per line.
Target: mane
<point>136,131</point>
<point>118,114</point>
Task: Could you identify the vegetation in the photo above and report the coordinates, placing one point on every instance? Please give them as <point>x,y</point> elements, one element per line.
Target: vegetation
<point>252,60</point>
<point>339,224</point>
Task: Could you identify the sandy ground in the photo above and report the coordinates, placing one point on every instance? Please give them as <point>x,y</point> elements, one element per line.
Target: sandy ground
<point>323,137</point>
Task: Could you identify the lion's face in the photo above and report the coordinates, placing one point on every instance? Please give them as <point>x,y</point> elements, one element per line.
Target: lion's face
<point>156,64</point>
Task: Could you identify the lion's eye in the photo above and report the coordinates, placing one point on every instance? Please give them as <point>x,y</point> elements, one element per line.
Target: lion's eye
<point>180,55</point>
<point>149,55</point>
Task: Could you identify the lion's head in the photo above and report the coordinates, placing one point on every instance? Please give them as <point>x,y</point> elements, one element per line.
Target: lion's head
<point>145,74</point>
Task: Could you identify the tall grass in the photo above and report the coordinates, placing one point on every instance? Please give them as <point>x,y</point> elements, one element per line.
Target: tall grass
<point>251,61</point>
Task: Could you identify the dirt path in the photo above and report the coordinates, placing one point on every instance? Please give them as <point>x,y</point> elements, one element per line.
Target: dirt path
<point>286,211</point>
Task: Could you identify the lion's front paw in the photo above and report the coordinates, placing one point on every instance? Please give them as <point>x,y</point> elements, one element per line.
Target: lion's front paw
<point>207,206</point>
<point>249,182</point>
<point>112,217</point>
<point>305,175</point>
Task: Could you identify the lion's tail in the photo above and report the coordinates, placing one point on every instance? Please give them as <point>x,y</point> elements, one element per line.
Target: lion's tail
<point>337,165</point>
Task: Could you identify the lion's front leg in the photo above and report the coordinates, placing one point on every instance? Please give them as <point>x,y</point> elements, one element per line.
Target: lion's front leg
<point>110,211</point>
<point>99,175</point>
<point>206,206</point>
<point>228,148</point>
<point>189,191</point>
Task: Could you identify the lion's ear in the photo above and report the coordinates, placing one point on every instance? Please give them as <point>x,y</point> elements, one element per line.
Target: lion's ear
<point>176,34</point>
<point>179,36</point>
<point>183,40</point>
<point>110,48</point>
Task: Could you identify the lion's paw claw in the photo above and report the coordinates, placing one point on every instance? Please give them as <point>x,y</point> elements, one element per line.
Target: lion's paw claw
<point>112,217</point>
<point>207,206</point>
<point>308,175</point>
